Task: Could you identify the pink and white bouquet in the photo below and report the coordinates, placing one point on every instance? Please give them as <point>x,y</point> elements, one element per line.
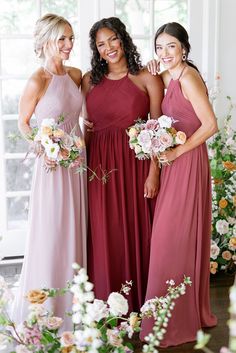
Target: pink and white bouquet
<point>66,150</point>
<point>150,138</point>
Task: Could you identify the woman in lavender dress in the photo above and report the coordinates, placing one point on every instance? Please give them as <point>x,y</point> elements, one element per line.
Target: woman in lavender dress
<point>58,205</point>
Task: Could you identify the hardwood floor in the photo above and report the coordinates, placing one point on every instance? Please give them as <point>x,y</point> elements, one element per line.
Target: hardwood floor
<point>220,284</point>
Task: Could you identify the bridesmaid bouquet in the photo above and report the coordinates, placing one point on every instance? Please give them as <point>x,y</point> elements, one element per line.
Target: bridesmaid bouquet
<point>150,138</point>
<point>64,149</point>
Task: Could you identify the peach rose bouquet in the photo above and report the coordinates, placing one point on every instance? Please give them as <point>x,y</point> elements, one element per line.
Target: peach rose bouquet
<point>150,138</point>
<point>67,150</point>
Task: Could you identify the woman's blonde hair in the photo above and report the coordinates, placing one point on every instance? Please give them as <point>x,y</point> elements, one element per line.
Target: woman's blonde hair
<point>48,27</point>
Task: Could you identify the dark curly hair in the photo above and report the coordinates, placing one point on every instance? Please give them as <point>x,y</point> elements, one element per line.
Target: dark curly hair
<point>176,30</point>
<point>100,67</point>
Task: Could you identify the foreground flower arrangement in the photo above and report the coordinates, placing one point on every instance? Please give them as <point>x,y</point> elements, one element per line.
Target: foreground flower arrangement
<point>99,327</point>
<point>149,138</point>
<point>222,154</point>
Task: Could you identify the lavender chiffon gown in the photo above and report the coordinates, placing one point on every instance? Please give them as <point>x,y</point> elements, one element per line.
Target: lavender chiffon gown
<point>180,243</point>
<point>58,210</point>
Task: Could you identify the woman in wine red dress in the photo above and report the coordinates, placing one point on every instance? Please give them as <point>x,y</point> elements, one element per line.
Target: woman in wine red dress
<point>118,92</point>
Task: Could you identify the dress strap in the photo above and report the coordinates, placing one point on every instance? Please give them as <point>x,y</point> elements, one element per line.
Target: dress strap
<point>181,72</point>
<point>46,69</point>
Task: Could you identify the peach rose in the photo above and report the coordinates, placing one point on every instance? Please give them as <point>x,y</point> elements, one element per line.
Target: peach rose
<point>132,132</point>
<point>226,255</point>
<point>46,130</point>
<point>229,165</point>
<point>58,133</point>
<point>67,339</point>
<point>180,138</point>
<point>36,296</point>
<point>232,242</point>
<point>213,267</point>
<point>223,203</point>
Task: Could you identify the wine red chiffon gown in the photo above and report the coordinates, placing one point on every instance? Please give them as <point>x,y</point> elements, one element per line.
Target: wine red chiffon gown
<point>180,242</point>
<point>120,218</point>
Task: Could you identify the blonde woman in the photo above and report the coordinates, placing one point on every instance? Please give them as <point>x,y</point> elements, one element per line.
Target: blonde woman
<point>57,218</point>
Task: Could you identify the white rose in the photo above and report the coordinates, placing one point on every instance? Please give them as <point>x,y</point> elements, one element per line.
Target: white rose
<point>215,250</point>
<point>222,226</point>
<point>97,310</point>
<point>165,121</point>
<point>118,304</point>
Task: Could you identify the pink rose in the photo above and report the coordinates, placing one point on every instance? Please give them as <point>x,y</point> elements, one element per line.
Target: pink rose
<point>152,124</point>
<point>226,255</point>
<point>166,140</point>
<point>53,322</point>
<point>156,145</point>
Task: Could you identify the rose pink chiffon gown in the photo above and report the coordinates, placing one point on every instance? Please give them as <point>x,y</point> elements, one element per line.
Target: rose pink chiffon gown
<point>180,242</point>
<point>58,210</point>
<point>120,218</point>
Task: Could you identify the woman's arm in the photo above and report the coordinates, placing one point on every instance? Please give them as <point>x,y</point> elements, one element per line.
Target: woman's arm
<point>194,90</point>
<point>87,126</point>
<point>155,90</point>
<point>27,104</point>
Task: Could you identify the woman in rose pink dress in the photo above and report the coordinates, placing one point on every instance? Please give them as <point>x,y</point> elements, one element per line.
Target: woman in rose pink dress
<point>180,243</point>
<point>58,205</point>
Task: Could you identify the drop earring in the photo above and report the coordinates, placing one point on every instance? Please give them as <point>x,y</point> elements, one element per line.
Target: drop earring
<point>184,57</point>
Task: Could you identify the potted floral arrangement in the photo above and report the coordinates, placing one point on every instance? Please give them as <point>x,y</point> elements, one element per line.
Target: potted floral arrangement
<point>222,154</point>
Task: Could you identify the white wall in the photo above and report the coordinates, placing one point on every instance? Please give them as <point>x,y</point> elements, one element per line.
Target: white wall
<point>212,35</point>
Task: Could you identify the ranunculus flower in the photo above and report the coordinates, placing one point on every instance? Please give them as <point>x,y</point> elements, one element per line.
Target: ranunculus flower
<point>118,304</point>
<point>226,255</point>
<point>222,226</point>
<point>165,121</point>
<point>67,339</point>
<point>36,296</point>
<point>180,138</point>
<point>223,203</point>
